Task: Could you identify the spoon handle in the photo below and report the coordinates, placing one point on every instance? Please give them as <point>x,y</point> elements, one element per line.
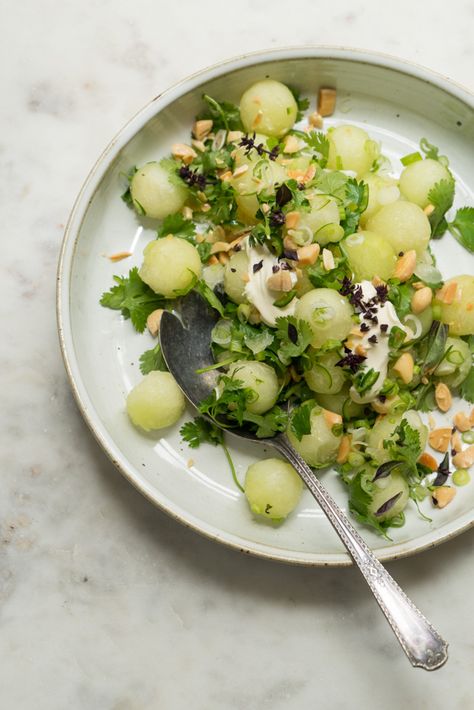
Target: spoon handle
<point>422,644</point>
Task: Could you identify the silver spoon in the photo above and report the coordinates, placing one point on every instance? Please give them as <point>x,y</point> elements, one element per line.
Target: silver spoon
<point>185,337</point>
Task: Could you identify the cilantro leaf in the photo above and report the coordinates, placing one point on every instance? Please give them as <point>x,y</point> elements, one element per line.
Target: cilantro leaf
<point>294,335</point>
<point>356,200</point>
<point>302,104</point>
<point>300,421</point>
<point>360,498</point>
<point>207,293</point>
<point>405,444</point>
<point>441,196</point>
<point>317,141</point>
<point>224,114</point>
<point>127,195</point>
<point>133,298</point>
<point>201,431</point>
<point>268,424</point>
<point>152,360</point>
<point>400,294</point>
<point>432,152</point>
<point>179,226</point>
<point>462,227</point>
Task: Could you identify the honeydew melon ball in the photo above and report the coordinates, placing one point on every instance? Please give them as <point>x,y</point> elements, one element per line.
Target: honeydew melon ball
<point>319,224</point>
<point>236,269</point>
<point>262,175</point>
<point>382,191</point>
<point>156,402</point>
<point>419,178</point>
<point>369,255</point>
<point>384,430</point>
<point>386,488</point>
<point>456,365</point>
<point>351,148</point>
<point>170,264</point>
<point>460,313</point>
<point>404,225</point>
<point>272,488</point>
<point>269,107</point>
<point>341,403</point>
<point>154,193</point>
<point>328,314</point>
<point>320,447</point>
<point>324,376</point>
<point>259,377</point>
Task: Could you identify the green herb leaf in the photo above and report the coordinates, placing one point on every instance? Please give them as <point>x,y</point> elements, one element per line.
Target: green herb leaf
<point>441,196</point>
<point>152,360</point>
<point>360,498</point>
<point>207,293</point>
<point>179,226</point>
<point>133,298</point>
<point>294,336</point>
<point>400,294</point>
<point>268,424</point>
<point>285,299</point>
<point>356,200</point>
<point>432,152</point>
<point>462,227</point>
<point>223,114</point>
<point>127,195</point>
<point>404,445</point>
<point>300,422</point>
<point>201,431</point>
<point>317,141</point>
<point>434,347</point>
<point>303,104</point>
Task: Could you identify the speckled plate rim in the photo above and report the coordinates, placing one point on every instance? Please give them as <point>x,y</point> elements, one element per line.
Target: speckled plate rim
<point>65,264</point>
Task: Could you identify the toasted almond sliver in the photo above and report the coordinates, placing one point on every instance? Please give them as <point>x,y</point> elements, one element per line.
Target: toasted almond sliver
<point>326,101</point>
<point>405,266</point>
<point>234,136</point>
<point>292,220</point>
<point>465,458</point>
<point>120,255</point>
<point>442,496</point>
<point>308,255</point>
<point>428,460</point>
<point>183,152</point>
<point>447,293</point>
<point>153,321</point>
<point>187,212</point>
<point>331,418</point>
<point>456,444</point>
<point>443,397</point>
<point>240,170</point>
<point>291,144</point>
<point>462,422</point>
<point>225,176</point>
<point>344,449</point>
<point>360,350</point>
<point>421,299</point>
<point>223,258</point>
<point>289,244</point>
<point>281,281</point>
<point>316,120</point>
<point>202,128</point>
<point>439,439</point>
<point>404,367</point>
<point>328,260</point>
<point>220,247</point>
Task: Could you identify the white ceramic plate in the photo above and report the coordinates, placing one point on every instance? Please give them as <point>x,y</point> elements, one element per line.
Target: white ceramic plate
<point>396,103</point>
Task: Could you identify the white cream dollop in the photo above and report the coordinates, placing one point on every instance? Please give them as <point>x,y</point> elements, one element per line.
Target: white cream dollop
<point>377,353</point>
<point>256,289</point>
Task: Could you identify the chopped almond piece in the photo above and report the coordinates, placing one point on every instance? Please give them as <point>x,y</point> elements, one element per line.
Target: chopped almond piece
<point>234,136</point>
<point>240,170</point>
<point>328,260</point>
<point>331,418</point>
<point>223,258</point>
<point>462,422</point>
<point>292,220</point>
<point>439,439</point>
<point>429,461</point>
<point>310,173</point>
<point>120,255</point>
<point>421,299</point>
<point>291,144</point>
<point>344,449</point>
<point>308,255</point>
<point>404,367</point>
<point>465,458</point>
<point>219,246</point>
<point>443,397</point>
<point>225,176</point>
<point>442,496</point>
<point>326,101</point>
<point>417,285</point>
<point>212,260</point>
<point>199,145</point>
<point>377,281</point>
<point>316,120</point>
<point>360,350</point>
<point>153,321</point>
<point>202,128</point>
<point>184,152</point>
<point>356,332</point>
<point>289,244</point>
<point>205,207</point>
<point>190,463</point>
<point>447,293</point>
<point>281,281</point>
<point>456,444</point>
<point>384,407</point>
<point>187,212</point>
<point>405,266</point>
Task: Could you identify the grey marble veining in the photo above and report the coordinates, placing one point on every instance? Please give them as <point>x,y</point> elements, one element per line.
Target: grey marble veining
<point>106,603</point>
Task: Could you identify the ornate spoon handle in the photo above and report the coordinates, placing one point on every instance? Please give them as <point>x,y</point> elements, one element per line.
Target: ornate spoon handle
<point>422,644</point>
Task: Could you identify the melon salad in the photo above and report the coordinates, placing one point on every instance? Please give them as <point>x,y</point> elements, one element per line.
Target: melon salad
<point>335,324</point>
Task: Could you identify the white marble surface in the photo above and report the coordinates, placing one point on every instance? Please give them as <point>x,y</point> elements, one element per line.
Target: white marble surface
<point>107,604</point>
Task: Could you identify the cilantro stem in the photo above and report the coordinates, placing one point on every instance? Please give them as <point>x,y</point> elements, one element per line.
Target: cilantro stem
<point>215,366</point>
<point>232,467</point>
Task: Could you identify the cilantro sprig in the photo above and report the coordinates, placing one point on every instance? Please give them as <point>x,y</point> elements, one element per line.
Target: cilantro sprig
<point>133,298</point>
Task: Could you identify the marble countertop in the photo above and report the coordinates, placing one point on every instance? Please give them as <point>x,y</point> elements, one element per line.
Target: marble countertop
<point>106,603</point>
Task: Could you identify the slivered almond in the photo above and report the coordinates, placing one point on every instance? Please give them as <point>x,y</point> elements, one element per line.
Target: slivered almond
<point>404,367</point>
<point>240,170</point>
<point>443,397</point>
<point>429,461</point>
<point>344,449</point>
<point>296,175</point>
<point>465,458</point>
<point>462,422</point>
<point>456,444</point>
<point>225,176</point>
<point>356,332</point>
<point>291,144</point>
<point>442,496</point>
<point>212,260</point>
<point>447,293</point>
<point>184,152</point>
<point>309,174</point>
<point>281,281</point>
<point>265,207</point>
<point>219,247</point>
<point>316,120</point>
<point>234,136</point>
<point>289,244</point>
<point>328,260</point>
<point>199,145</point>
<point>223,258</point>
<point>202,128</point>
<point>360,350</point>
<point>326,101</point>
<point>308,255</point>
<point>405,266</point>
<point>153,321</point>
<point>187,212</point>
<point>200,238</point>
<point>292,220</point>
<point>421,299</point>
<point>331,418</point>
<point>377,281</point>
<point>120,255</point>
<point>439,439</point>
<point>429,209</point>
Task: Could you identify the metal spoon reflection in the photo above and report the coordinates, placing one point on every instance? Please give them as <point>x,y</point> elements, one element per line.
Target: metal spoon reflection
<point>185,337</point>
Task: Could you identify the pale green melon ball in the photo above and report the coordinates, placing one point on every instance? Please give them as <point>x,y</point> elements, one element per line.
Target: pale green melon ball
<point>261,176</point>
<point>382,191</point>
<point>319,224</point>
<point>384,429</point>
<point>169,265</point>
<point>320,447</point>
<point>154,193</point>
<point>268,107</point>
<point>156,402</point>
<point>324,376</point>
<point>419,178</point>
<point>273,488</point>
<point>259,377</point>
<point>235,271</point>
<point>404,225</point>
<point>350,148</point>
<point>328,314</point>
<point>460,313</point>
<point>369,255</point>
<point>386,488</point>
